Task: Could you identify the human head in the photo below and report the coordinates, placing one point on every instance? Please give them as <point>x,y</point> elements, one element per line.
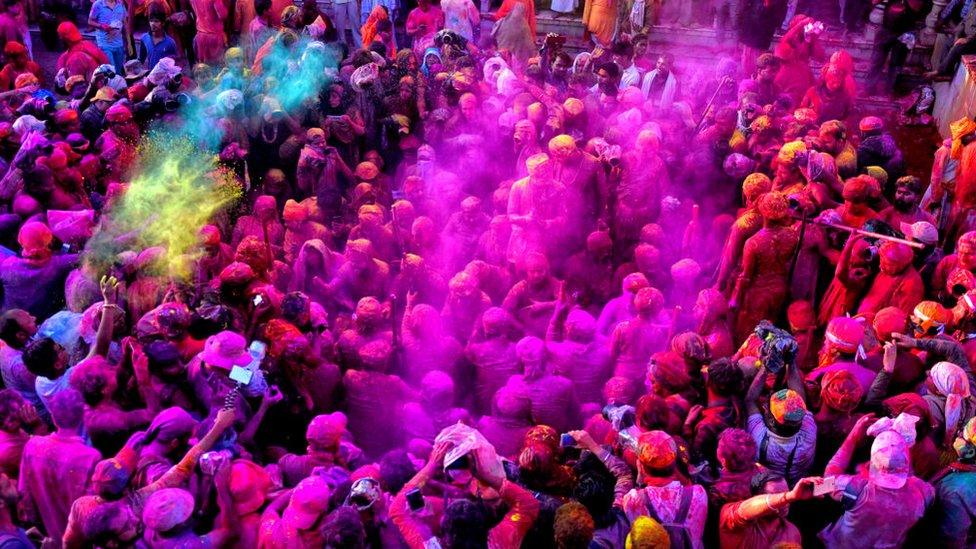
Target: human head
<point>736,451</point>
<point>67,410</point>
<point>530,352</point>
<point>573,526</point>
<point>168,510</point>
<point>786,412</point>
<point>647,533</point>
<point>45,357</point>
<point>895,257</point>
<point>767,66</point>
<point>929,319</point>
<point>17,326</point>
<point>464,523</point>
<point>966,251</point>
<point>656,454</point>
<point>908,191</point>
<point>648,302</point>
<point>536,268</point>
<point>840,391</point>
<point>724,378</point>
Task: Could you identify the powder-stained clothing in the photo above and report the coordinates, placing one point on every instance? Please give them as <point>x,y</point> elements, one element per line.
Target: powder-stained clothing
<point>790,457</point>
<point>766,531</point>
<point>494,362</point>
<point>956,510</point>
<point>38,288</point>
<point>522,512</point>
<point>880,517</point>
<point>54,471</point>
<point>666,501</point>
<point>552,400</point>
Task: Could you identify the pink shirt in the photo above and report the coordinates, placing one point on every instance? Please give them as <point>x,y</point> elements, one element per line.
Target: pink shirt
<point>55,470</point>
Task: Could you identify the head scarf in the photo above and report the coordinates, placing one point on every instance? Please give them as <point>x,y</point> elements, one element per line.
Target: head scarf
<point>951,382</point>
<point>841,391</point>
<point>959,129</point>
<point>436,53</point>
<point>165,70</point>
<point>786,405</point>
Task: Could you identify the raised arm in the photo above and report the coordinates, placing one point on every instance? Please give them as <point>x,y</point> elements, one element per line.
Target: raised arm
<point>755,389</point>
<point>110,308</point>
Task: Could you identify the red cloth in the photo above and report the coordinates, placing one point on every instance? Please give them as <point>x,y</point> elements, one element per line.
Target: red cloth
<point>82,59</point>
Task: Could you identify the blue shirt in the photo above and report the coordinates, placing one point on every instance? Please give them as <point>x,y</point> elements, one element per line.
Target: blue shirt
<point>153,52</point>
<point>102,14</point>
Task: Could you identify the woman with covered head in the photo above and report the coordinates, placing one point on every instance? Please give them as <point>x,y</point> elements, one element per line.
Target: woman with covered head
<point>576,353</point>
<point>760,291</point>
<point>491,353</point>
<point>950,403</point>
<point>426,347</point>
<point>552,399</point>
<point>748,223</point>
<point>634,341</point>
<point>375,399</point>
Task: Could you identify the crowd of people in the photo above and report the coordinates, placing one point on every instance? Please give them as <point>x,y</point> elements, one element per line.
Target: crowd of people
<point>461,289</point>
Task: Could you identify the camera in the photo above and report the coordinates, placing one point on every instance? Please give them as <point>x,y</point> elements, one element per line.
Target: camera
<point>778,349</point>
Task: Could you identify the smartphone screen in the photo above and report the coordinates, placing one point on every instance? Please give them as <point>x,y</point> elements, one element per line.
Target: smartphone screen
<point>241,375</point>
<point>827,485</point>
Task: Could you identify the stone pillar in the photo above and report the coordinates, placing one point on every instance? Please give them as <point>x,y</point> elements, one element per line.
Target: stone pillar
<point>929,33</point>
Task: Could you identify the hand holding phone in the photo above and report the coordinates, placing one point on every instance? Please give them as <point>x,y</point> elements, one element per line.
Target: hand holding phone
<point>824,486</point>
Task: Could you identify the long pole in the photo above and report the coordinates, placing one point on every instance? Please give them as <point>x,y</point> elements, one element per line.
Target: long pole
<point>868,234</point>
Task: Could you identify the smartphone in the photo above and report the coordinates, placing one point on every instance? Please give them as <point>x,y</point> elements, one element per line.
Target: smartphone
<point>827,485</point>
<point>566,440</point>
<point>415,500</point>
<point>241,375</point>
<point>258,300</point>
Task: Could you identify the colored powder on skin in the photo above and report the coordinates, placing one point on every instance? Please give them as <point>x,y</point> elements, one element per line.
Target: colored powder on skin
<point>177,190</point>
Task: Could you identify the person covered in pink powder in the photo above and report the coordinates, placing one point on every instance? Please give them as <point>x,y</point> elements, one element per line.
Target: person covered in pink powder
<point>329,445</point>
<point>532,300</point>
<point>435,410</point>
<point>210,39</point>
<point>490,354</point>
<point>426,347</point>
<point>55,469</point>
<point>577,354</point>
<point>634,341</point>
<point>375,400</point>
<point>552,399</point>
<point>510,419</point>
